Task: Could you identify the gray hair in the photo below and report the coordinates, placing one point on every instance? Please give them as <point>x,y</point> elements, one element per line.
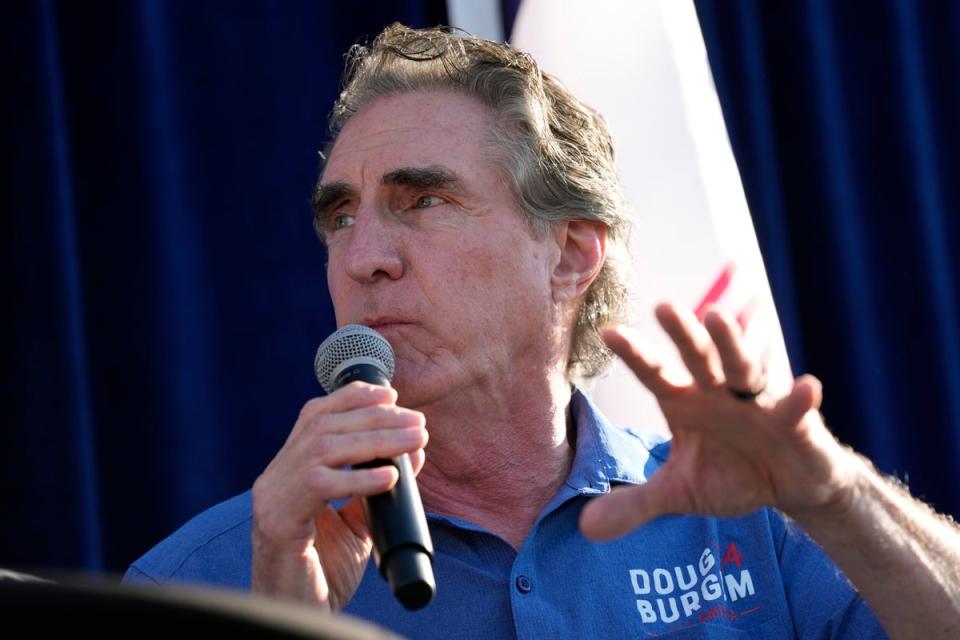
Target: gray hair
<point>557,152</point>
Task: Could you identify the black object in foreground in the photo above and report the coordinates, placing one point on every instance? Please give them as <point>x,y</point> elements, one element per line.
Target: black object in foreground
<point>90,606</point>
<point>398,525</point>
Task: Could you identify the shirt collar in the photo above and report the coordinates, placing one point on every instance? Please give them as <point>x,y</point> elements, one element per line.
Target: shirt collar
<point>607,454</point>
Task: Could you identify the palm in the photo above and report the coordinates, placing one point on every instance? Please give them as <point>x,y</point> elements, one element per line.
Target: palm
<point>715,466</point>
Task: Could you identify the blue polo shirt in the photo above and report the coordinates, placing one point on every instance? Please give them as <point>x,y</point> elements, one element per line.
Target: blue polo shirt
<point>754,576</point>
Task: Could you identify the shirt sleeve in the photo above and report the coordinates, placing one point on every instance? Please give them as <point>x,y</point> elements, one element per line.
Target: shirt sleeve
<point>823,603</point>
<point>136,576</point>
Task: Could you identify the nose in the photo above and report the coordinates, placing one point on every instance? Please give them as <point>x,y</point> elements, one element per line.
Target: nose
<point>374,250</point>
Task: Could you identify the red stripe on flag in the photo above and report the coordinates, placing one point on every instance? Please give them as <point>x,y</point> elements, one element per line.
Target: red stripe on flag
<point>744,317</point>
<point>716,290</point>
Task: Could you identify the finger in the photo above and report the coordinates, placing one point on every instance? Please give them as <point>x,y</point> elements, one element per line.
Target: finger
<point>693,342</point>
<point>624,509</point>
<point>807,394</point>
<point>739,371</point>
<point>284,506</point>
<point>336,450</point>
<point>326,483</point>
<point>352,396</point>
<point>647,369</point>
<point>417,458</point>
<point>365,419</point>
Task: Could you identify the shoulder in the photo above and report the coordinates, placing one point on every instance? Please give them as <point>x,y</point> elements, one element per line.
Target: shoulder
<point>212,548</point>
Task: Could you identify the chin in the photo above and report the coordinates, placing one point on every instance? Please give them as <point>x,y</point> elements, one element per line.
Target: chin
<point>419,386</point>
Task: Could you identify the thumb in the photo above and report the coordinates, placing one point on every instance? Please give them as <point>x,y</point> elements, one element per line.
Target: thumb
<point>353,516</point>
<point>625,509</point>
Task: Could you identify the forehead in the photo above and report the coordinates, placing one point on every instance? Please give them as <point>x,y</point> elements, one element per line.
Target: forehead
<point>423,128</point>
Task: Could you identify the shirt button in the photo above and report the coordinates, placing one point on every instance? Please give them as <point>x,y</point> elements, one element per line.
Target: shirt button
<point>524,585</point>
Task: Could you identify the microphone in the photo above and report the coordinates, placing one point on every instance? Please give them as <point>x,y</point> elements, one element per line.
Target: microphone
<point>398,525</point>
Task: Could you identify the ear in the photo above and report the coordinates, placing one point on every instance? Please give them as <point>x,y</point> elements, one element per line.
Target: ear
<point>582,245</point>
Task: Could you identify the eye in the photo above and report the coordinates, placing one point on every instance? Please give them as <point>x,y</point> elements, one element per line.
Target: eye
<point>425,202</point>
<point>341,220</point>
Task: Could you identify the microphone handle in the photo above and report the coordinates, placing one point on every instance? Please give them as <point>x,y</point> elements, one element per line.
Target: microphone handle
<point>398,525</point>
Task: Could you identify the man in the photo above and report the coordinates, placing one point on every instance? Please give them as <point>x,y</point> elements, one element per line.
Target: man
<point>472,216</point>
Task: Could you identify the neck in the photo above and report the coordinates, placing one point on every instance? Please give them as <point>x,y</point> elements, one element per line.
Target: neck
<point>498,455</point>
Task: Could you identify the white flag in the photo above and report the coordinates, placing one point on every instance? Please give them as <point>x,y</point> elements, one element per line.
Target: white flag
<point>643,66</point>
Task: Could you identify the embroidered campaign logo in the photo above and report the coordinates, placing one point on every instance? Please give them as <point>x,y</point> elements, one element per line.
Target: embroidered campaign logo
<point>696,592</point>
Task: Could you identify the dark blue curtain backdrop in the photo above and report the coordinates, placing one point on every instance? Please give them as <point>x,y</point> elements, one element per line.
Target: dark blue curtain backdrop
<point>164,292</point>
<point>844,122</point>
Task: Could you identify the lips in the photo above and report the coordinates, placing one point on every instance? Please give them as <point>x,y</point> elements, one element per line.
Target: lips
<point>385,324</point>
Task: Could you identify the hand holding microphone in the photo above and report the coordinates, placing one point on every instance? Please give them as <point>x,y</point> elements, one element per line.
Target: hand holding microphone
<point>302,547</point>
<point>401,540</point>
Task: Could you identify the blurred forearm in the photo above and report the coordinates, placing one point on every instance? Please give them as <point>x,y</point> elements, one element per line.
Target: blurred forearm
<point>902,557</point>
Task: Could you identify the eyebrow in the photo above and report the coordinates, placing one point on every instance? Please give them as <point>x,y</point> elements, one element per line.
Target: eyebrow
<point>327,195</point>
<point>422,178</point>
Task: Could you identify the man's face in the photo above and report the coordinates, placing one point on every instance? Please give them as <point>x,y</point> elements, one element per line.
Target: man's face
<point>428,246</point>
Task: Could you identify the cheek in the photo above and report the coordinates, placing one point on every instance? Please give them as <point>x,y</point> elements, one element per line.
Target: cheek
<point>472,286</point>
<point>334,289</point>
<point>343,292</point>
<point>500,284</point>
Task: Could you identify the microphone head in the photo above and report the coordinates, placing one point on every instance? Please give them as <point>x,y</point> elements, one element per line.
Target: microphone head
<point>350,345</point>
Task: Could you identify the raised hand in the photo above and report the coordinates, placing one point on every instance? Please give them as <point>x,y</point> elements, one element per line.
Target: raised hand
<point>302,547</point>
<point>735,448</point>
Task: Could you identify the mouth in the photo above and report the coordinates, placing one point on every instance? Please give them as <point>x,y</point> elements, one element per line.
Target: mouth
<point>385,325</point>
